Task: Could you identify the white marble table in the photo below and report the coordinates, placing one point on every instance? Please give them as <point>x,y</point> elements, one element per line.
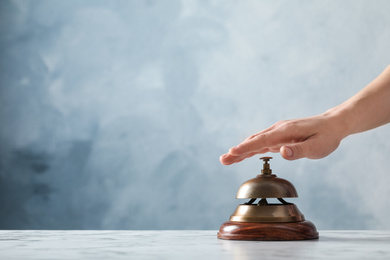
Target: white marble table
<point>187,245</point>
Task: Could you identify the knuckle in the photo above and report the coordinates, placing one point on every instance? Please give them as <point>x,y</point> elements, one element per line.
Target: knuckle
<point>282,122</point>
<point>262,139</point>
<point>251,137</point>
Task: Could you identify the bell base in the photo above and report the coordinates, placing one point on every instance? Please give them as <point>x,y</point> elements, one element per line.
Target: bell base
<point>287,231</point>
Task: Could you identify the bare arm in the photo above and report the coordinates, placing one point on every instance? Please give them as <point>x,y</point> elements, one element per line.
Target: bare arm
<point>369,108</point>
<point>318,136</point>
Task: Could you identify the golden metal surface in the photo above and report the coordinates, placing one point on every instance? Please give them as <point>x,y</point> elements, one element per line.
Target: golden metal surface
<point>266,185</point>
<point>269,213</point>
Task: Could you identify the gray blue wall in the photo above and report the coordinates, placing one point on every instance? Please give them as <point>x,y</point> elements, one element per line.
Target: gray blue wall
<point>113,113</point>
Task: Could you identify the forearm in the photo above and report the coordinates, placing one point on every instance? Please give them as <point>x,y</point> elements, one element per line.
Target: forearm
<point>366,110</point>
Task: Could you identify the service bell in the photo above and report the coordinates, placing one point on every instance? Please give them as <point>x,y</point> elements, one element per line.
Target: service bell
<point>261,220</point>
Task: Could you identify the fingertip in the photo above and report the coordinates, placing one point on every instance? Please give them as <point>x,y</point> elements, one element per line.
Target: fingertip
<point>223,159</point>
<point>225,163</point>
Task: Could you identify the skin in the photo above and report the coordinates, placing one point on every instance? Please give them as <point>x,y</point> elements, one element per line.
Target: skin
<point>318,136</point>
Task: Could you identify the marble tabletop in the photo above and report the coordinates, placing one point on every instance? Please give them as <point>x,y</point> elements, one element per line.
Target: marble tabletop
<point>186,244</point>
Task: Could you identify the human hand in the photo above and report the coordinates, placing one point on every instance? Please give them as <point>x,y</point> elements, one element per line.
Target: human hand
<point>318,136</point>
<point>312,137</point>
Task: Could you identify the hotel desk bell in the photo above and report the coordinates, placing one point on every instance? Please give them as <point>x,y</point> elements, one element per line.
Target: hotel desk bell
<point>263,220</point>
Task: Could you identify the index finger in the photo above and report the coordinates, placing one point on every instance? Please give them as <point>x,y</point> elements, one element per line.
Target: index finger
<point>255,144</point>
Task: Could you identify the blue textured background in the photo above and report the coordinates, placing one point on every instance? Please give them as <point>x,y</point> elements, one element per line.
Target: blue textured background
<point>113,114</point>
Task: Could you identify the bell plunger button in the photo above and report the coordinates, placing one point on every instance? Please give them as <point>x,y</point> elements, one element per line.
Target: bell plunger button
<point>266,167</point>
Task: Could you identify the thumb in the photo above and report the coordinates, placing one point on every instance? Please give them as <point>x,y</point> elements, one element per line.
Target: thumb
<point>295,151</point>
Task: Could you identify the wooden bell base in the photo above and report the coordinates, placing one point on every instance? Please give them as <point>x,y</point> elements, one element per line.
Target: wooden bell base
<point>303,230</point>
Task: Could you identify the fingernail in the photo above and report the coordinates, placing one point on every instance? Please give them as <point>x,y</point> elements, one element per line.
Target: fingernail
<point>289,151</point>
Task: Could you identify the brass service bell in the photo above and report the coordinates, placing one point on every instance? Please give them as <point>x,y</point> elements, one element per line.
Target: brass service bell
<point>263,220</point>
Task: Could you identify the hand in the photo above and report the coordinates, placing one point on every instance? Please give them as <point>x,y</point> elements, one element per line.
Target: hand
<point>313,138</point>
<point>318,136</point>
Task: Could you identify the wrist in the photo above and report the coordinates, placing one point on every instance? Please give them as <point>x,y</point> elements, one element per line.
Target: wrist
<point>341,119</point>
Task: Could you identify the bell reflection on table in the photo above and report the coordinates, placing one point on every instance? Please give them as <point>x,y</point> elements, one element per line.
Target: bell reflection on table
<point>262,220</point>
